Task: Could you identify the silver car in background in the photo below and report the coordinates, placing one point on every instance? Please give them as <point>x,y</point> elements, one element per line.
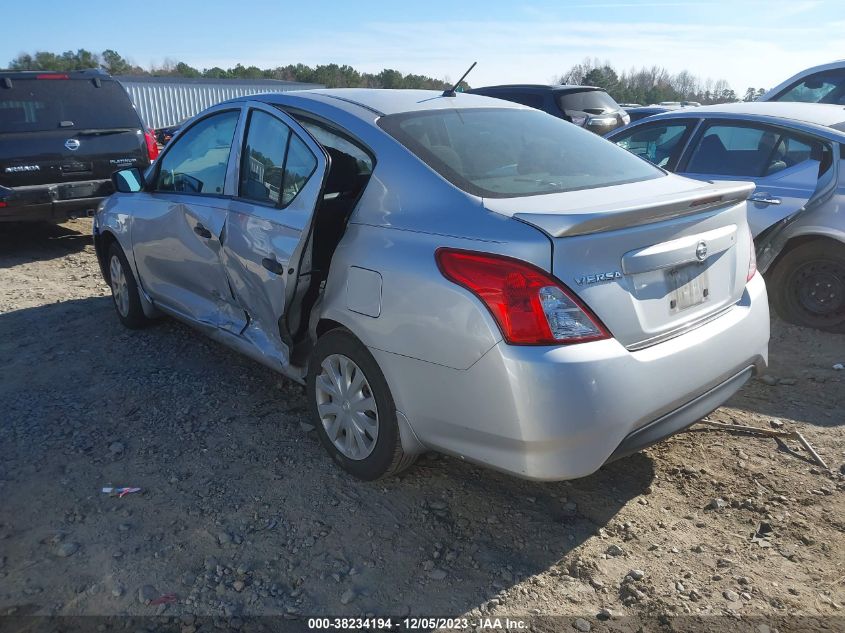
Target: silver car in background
<point>793,153</point>
<point>450,273</point>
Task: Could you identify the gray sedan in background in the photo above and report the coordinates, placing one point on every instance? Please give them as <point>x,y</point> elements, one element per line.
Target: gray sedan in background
<point>793,153</point>
<point>445,272</point>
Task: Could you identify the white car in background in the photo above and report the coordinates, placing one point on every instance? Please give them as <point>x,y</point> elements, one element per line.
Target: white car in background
<point>819,84</point>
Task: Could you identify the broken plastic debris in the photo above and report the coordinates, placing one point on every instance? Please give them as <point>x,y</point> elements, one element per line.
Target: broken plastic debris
<point>839,366</point>
<point>166,598</point>
<point>120,492</point>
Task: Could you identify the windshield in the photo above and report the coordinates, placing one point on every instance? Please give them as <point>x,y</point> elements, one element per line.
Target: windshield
<point>36,105</point>
<point>504,153</point>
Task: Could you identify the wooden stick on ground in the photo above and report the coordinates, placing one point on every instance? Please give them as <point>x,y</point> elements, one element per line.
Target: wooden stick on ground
<point>795,435</point>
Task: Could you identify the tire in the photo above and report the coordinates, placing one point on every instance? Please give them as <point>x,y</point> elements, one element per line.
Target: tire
<point>807,286</point>
<point>363,439</point>
<point>124,289</point>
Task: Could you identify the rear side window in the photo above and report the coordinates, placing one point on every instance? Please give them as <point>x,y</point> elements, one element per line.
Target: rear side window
<point>591,101</point>
<point>526,99</point>
<point>741,150</point>
<point>658,143</point>
<point>505,153</point>
<point>276,163</point>
<point>39,105</point>
<point>823,87</point>
<point>196,162</point>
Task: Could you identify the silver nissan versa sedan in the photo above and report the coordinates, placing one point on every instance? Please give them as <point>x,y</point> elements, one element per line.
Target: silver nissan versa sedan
<point>446,272</point>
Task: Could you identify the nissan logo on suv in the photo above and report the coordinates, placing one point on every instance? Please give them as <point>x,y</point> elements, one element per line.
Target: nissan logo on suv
<point>72,144</point>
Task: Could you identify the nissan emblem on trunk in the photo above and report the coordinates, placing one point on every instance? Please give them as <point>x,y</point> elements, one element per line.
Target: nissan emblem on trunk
<point>701,251</point>
<point>72,144</point>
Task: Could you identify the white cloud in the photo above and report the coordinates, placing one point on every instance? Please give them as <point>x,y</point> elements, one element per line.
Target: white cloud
<point>535,51</point>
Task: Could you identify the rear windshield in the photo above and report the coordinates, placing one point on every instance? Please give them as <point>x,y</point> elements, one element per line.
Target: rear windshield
<point>507,153</point>
<point>36,105</point>
<point>595,101</point>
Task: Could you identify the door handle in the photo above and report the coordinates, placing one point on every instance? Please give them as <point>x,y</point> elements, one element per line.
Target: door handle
<point>200,230</point>
<point>764,198</point>
<point>273,265</point>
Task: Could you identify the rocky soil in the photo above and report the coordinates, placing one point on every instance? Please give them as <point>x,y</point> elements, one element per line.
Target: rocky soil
<point>242,513</point>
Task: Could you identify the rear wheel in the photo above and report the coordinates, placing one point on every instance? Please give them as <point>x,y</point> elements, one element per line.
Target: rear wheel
<point>124,289</point>
<point>807,287</point>
<point>353,409</point>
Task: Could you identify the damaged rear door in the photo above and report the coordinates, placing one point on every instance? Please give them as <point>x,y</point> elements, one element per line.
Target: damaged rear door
<point>280,177</point>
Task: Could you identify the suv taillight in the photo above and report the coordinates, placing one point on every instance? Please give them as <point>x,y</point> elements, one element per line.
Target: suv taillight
<point>152,146</point>
<point>530,306</point>
<point>752,260</point>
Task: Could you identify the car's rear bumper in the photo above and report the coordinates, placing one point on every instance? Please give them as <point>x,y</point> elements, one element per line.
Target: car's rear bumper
<point>552,413</point>
<point>54,201</point>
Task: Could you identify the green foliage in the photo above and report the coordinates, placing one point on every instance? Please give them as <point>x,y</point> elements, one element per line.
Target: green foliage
<point>330,75</point>
<point>648,85</point>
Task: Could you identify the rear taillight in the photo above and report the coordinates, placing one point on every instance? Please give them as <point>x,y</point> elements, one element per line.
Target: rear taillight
<point>530,306</point>
<point>752,260</point>
<point>152,146</point>
<point>52,76</point>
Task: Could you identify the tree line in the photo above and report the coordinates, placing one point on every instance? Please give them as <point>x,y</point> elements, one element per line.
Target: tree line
<point>644,85</point>
<point>653,84</point>
<point>330,75</point>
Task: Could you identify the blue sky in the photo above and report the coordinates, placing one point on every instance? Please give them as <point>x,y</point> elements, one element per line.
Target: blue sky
<point>746,42</point>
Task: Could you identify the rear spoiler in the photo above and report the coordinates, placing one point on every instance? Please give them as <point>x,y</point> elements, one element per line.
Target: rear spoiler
<point>636,213</point>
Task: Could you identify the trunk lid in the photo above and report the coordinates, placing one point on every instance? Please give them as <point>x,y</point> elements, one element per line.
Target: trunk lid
<point>45,157</point>
<point>652,259</point>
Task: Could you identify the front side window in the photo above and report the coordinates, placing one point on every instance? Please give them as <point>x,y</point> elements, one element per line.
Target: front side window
<point>823,87</point>
<point>505,153</point>
<point>658,143</point>
<point>196,162</point>
<point>748,151</point>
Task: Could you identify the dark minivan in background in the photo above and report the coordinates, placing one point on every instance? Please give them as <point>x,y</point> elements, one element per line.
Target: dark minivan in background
<point>590,107</point>
<point>62,135</point>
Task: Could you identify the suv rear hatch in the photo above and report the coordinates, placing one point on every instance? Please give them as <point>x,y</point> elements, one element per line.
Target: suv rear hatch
<point>652,259</point>
<point>56,129</point>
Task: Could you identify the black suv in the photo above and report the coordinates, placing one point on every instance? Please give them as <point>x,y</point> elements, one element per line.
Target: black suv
<point>590,107</point>
<point>61,137</point>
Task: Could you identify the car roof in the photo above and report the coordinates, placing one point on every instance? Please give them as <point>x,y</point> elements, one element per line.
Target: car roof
<point>69,74</point>
<point>364,102</point>
<point>823,114</point>
<point>536,88</point>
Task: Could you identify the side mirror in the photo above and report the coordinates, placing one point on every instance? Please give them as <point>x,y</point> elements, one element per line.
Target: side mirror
<point>128,180</point>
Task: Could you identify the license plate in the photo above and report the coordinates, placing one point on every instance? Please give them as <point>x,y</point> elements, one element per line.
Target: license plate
<point>688,287</point>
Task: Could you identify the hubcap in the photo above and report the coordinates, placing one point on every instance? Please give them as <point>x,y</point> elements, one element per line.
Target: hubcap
<point>119,289</point>
<point>820,286</point>
<point>346,407</point>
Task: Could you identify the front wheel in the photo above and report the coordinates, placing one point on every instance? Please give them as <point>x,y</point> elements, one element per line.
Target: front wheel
<point>807,287</point>
<point>124,289</point>
<point>353,408</point>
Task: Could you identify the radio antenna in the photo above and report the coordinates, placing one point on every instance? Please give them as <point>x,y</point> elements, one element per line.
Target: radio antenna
<point>451,91</point>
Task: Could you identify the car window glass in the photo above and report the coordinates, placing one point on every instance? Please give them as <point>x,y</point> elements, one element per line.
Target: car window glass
<point>350,164</point>
<point>824,87</point>
<point>731,150</point>
<point>196,161</point>
<point>657,143</point>
<point>592,101</point>
<point>300,163</point>
<point>32,105</point>
<point>264,158</point>
<point>511,152</point>
<point>790,151</point>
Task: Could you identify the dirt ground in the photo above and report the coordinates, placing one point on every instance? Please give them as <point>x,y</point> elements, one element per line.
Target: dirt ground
<point>242,513</point>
